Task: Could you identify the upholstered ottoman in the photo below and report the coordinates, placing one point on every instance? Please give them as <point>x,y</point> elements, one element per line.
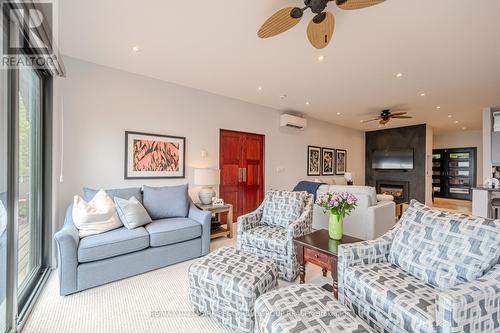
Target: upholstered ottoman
<point>225,284</point>
<point>304,308</point>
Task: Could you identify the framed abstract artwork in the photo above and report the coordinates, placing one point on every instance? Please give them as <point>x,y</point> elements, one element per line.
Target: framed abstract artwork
<point>327,161</point>
<point>313,161</point>
<point>340,162</point>
<point>150,156</point>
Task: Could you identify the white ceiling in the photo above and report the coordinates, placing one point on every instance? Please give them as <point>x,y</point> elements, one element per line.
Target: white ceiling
<point>449,49</point>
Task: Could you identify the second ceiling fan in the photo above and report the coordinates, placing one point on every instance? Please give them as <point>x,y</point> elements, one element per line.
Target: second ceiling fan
<point>321,26</point>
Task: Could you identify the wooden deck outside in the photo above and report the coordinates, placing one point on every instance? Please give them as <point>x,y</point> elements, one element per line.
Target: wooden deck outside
<point>23,251</point>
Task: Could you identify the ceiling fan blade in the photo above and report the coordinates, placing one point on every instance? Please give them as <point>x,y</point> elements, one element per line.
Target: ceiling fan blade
<point>384,121</point>
<point>278,23</point>
<point>398,113</point>
<point>357,4</point>
<point>320,34</point>
<point>367,121</point>
<point>402,117</point>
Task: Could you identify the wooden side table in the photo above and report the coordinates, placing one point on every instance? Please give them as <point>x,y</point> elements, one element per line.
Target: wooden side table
<point>317,248</point>
<point>222,231</point>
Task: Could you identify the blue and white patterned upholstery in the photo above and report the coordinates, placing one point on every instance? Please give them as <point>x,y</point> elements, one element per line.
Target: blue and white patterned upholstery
<point>445,249</point>
<point>392,299</point>
<point>281,208</point>
<point>304,308</point>
<point>225,284</point>
<point>271,240</point>
<point>408,301</point>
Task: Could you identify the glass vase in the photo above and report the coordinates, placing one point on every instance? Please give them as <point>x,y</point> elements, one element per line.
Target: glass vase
<point>335,226</point>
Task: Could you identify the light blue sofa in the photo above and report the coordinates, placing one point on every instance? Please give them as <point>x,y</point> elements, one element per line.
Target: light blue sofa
<point>434,272</point>
<point>95,260</point>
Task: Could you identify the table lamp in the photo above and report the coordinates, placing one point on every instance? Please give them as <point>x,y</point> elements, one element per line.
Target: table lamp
<point>348,177</point>
<point>206,178</point>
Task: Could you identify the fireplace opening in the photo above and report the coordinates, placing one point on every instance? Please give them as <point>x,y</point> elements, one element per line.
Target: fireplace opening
<point>399,190</point>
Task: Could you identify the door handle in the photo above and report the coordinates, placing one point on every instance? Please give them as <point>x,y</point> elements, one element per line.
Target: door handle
<point>244,175</point>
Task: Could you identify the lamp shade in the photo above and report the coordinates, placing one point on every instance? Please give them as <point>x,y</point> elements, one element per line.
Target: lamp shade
<point>206,177</point>
<point>348,176</point>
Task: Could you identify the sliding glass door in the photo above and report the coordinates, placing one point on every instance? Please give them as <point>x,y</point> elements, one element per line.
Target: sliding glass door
<point>29,185</point>
<point>25,214</point>
<point>3,201</point>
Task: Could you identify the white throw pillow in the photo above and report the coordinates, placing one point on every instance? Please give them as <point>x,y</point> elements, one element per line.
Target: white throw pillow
<point>3,218</point>
<point>95,217</point>
<point>132,213</point>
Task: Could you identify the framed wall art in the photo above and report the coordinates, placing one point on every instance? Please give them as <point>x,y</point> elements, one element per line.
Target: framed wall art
<point>340,161</point>
<point>327,161</point>
<point>150,156</point>
<point>313,161</point>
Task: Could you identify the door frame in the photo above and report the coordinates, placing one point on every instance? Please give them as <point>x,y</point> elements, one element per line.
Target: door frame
<point>222,130</point>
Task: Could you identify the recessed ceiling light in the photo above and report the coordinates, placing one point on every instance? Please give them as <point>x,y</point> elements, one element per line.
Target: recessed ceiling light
<point>422,94</point>
<point>464,128</point>
<point>135,48</point>
<point>321,57</point>
<point>399,75</point>
<point>456,121</point>
<point>438,107</point>
<point>283,96</point>
<point>361,121</point>
<point>339,113</point>
<point>307,103</point>
<point>259,88</point>
<point>449,116</point>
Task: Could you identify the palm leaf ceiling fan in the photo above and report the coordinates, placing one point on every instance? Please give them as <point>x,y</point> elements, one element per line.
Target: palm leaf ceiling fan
<point>321,26</point>
<point>386,115</point>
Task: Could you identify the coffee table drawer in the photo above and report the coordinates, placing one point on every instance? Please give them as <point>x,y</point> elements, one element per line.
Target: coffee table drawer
<point>317,257</point>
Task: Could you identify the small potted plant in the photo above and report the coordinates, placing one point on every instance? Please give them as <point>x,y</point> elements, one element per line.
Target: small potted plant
<point>339,205</point>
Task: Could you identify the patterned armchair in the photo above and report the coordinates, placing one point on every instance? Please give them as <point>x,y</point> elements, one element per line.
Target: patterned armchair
<point>433,272</point>
<point>269,231</point>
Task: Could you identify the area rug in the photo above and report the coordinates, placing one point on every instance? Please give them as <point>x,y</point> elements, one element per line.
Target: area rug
<point>152,302</point>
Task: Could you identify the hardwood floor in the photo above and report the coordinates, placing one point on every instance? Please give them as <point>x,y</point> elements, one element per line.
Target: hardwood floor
<point>452,205</point>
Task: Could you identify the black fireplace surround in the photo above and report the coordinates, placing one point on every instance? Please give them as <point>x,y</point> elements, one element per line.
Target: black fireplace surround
<point>412,181</point>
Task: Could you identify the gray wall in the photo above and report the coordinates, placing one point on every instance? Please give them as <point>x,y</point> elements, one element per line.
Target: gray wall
<point>402,137</point>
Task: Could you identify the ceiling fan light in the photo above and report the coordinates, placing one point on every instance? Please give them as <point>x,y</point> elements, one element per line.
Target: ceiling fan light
<point>296,13</point>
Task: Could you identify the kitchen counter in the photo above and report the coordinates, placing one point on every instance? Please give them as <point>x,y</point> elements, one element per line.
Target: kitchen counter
<point>481,201</point>
<point>482,188</point>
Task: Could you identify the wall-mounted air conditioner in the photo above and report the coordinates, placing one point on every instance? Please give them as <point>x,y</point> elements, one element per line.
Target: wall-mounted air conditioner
<point>289,120</point>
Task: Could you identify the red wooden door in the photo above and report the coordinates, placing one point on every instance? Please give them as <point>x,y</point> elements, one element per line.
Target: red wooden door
<point>242,170</point>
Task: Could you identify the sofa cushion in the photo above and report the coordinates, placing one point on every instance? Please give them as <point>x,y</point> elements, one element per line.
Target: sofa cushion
<point>406,301</point>
<point>282,208</point>
<point>95,217</point>
<point>112,243</point>
<point>175,230</point>
<point>131,212</point>
<point>166,202</point>
<point>124,193</point>
<point>267,238</point>
<point>445,249</point>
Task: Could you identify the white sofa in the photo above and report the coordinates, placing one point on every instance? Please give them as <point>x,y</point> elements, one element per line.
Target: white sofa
<point>369,220</point>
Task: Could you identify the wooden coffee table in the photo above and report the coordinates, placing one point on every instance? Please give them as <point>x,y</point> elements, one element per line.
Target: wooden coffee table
<point>317,248</point>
